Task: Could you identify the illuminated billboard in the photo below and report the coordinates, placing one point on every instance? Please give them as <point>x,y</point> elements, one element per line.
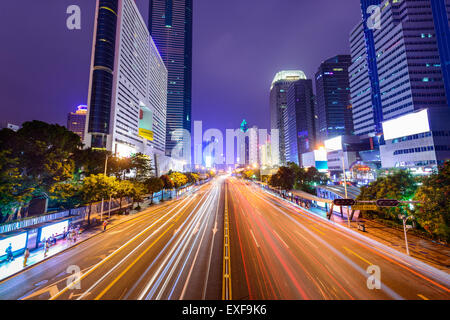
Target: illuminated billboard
<point>17,242</point>
<point>409,124</point>
<point>334,144</point>
<point>54,229</point>
<point>145,122</point>
<point>321,160</point>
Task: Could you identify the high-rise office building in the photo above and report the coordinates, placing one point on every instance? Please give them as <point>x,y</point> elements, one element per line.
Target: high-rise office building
<point>334,109</point>
<point>278,107</point>
<point>412,62</point>
<point>363,75</point>
<point>170,25</point>
<point>300,125</point>
<point>76,121</point>
<point>409,67</point>
<point>128,85</point>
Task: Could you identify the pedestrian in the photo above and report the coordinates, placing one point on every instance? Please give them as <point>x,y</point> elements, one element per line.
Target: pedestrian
<point>105,223</point>
<point>64,233</point>
<point>25,257</point>
<point>47,246</point>
<point>9,253</point>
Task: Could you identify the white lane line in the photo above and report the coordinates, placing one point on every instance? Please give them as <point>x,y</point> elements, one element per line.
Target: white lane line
<point>135,249</point>
<point>254,238</point>
<point>169,255</point>
<point>281,239</point>
<point>307,240</point>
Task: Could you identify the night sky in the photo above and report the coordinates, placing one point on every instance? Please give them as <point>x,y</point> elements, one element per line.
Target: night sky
<point>238,47</point>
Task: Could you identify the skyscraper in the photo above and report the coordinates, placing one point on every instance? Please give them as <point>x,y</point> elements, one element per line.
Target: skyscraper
<point>334,109</point>
<point>76,121</point>
<point>300,124</point>
<point>128,85</point>
<point>278,106</point>
<point>409,67</point>
<point>170,25</point>
<point>412,62</point>
<point>363,73</point>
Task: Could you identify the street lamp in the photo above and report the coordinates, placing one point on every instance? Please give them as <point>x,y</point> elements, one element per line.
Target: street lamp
<point>345,188</point>
<point>405,228</point>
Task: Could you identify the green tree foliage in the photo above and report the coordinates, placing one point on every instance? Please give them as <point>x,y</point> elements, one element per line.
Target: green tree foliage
<point>66,195</point>
<point>167,182</point>
<point>124,188</point>
<point>89,162</point>
<point>141,164</point>
<point>399,185</point>
<point>433,212</point>
<point>154,185</point>
<point>15,190</point>
<point>284,179</point>
<point>95,188</point>
<point>138,191</point>
<point>179,180</point>
<point>192,177</point>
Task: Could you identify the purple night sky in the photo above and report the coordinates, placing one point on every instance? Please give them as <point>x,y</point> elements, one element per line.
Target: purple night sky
<point>239,45</point>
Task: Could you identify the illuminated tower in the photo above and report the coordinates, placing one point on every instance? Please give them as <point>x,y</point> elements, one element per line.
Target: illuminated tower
<point>170,25</point>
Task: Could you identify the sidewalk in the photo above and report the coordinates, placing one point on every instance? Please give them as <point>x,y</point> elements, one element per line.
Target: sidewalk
<point>428,251</point>
<point>9,268</point>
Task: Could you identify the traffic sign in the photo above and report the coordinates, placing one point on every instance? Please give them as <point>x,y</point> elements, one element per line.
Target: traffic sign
<point>367,207</point>
<point>344,202</point>
<point>387,203</point>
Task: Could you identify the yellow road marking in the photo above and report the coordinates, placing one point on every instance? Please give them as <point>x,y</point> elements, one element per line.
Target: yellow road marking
<point>318,231</point>
<point>226,282</point>
<point>357,255</point>
<point>422,297</point>
<point>105,260</point>
<point>131,265</point>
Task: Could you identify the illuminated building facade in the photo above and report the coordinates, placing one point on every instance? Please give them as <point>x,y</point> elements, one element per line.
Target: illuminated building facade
<point>170,25</point>
<point>419,140</point>
<point>300,123</point>
<point>128,86</point>
<point>278,107</point>
<point>76,121</point>
<point>334,109</point>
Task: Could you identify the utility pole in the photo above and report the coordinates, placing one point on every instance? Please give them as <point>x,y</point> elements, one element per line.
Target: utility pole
<point>106,166</point>
<point>405,218</point>
<point>345,187</point>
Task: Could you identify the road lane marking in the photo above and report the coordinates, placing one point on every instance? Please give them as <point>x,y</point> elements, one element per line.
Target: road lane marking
<point>281,239</point>
<point>357,255</point>
<point>131,265</point>
<point>254,238</point>
<point>318,230</point>
<point>309,241</point>
<point>116,251</point>
<point>422,297</point>
<point>226,282</point>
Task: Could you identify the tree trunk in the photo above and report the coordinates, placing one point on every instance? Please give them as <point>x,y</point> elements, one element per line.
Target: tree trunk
<point>151,201</point>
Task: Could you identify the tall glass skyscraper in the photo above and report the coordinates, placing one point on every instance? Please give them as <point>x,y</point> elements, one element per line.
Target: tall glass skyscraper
<point>334,109</point>
<point>170,25</point>
<point>278,108</point>
<point>300,124</point>
<point>128,84</point>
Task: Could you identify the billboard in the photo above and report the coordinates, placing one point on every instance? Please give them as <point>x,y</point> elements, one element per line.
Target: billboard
<point>409,124</point>
<point>18,242</point>
<point>334,144</point>
<point>145,122</point>
<point>56,228</point>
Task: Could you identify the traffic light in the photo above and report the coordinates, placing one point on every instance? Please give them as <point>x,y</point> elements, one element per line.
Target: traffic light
<point>387,203</point>
<point>344,202</point>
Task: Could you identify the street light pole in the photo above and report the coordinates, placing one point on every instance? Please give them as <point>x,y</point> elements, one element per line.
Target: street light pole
<point>103,200</point>
<point>345,187</point>
<point>405,218</point>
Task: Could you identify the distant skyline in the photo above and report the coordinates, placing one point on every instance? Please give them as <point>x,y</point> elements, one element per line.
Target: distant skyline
<point>238,48</point>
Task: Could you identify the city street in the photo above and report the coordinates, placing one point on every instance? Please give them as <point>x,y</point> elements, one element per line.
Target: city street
<point>179,250</point>
<point>171,252</point>
<point>279,252</point>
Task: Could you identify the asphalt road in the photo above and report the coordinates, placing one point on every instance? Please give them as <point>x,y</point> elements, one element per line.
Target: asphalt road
<point>227,240</point>
<point>279,251</point>
<point>172,251</point>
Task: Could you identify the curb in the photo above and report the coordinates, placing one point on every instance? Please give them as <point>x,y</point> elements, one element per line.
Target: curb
<point>66,249</point>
